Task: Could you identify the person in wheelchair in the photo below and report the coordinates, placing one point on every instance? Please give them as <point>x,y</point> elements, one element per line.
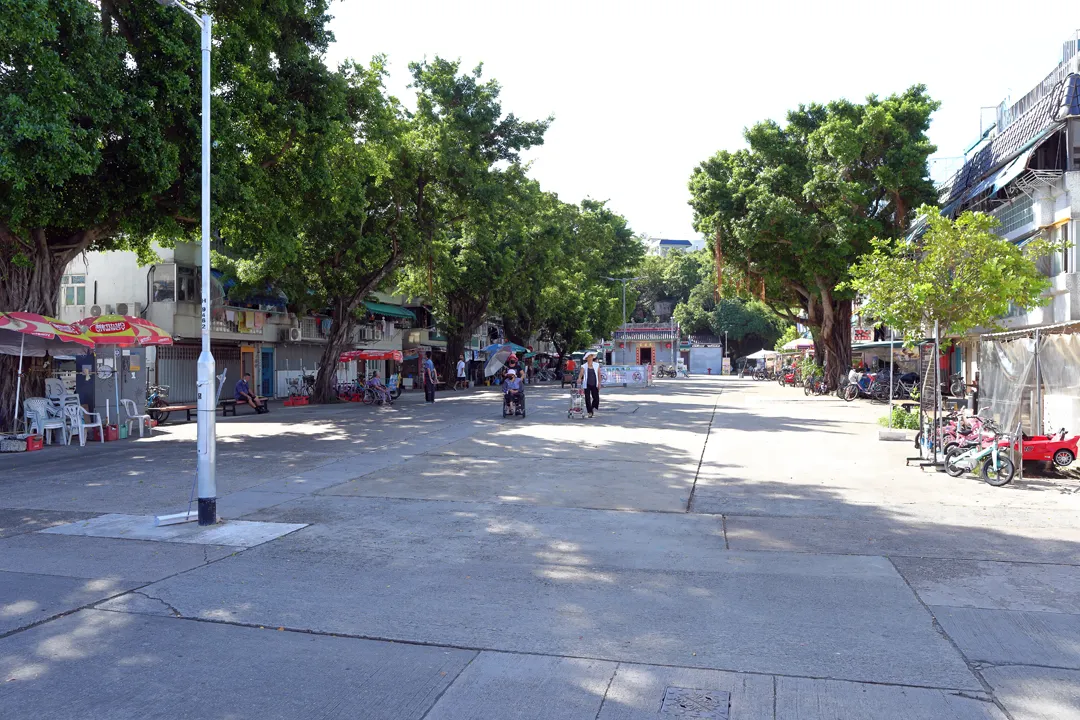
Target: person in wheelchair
<point>381,392</point>
<point>513,391</point>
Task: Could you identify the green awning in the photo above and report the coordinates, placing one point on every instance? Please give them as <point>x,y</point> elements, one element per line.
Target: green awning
<point>389,310</point>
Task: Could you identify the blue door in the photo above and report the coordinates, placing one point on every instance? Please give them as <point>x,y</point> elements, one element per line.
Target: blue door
<point>267,379</point>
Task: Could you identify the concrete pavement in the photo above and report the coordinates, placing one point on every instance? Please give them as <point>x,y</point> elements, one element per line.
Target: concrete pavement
<point>712,546</point>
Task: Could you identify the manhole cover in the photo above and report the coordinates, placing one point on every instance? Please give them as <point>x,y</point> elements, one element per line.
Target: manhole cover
<point>691,703</point>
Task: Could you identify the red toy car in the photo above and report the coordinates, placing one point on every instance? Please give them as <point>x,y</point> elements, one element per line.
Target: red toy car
<point>1051,448</point>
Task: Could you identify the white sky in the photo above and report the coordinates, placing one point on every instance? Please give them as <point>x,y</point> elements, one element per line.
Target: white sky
<point>642,92</point>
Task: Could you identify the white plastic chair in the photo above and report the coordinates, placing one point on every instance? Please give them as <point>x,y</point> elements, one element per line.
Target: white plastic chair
<point>134,416</point>
<point>79,420</point>
<point>54,388</point>
<point>40,420</point>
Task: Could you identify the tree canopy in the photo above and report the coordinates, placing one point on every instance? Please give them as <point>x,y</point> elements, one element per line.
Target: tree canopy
<point>960,273</point>
<point>794,210</point>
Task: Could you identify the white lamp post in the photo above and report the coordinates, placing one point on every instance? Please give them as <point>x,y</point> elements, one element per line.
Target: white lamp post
<point>623,281</point>
<point>207,429</point>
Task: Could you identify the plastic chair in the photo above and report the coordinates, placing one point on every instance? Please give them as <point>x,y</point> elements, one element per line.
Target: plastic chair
<point>134,416</point>
<point>40,419</point>
<point>54,388</point>
<point>77,421</point>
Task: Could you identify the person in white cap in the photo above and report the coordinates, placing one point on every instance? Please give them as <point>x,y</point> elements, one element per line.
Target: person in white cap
<point>512,388</point>
<point>589,378</point>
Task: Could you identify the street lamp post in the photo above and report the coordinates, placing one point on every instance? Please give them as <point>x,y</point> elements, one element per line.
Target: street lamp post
<point>623,281</point>
<point>206,471</point>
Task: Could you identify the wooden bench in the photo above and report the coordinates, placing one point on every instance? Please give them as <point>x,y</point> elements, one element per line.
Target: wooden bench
<point>225,407</point>
<point>228,406</point>
<point>166,409</point>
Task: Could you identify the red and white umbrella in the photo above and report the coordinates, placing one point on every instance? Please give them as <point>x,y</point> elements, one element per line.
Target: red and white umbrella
<point>125,331</point>
<point>350,355</point>
<point>45,333</point>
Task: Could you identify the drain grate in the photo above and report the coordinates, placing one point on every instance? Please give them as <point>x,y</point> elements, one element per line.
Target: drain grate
<point>691,703</point>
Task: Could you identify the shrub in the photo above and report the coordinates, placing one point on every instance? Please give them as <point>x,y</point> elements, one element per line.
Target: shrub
<point>901,419</point>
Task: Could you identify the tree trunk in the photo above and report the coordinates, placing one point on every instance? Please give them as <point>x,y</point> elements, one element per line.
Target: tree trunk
<point>466,313</point>
<point>455,347</point>
<point>837,341</point>
<point>30,283</point>
<point>340,332</point>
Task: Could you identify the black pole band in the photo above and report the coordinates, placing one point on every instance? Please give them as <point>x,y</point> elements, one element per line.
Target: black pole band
<point>207,511</point>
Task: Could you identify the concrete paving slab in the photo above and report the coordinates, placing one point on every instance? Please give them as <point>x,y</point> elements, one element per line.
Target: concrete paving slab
<point>103,558</point>
<point>234,533</point>
<point>525,687</point>
<point>329,474</point>
<point>899,537</point>
<point>540,481</point>
<point>238,504</point>
<point>17,522</point>
<point>637,691</point>
<point>95,664</point>
<point>807,699</point>
<point>1034,693</point>
<point>27,598</point>
<point>591,442</point>
<point>451,533</point>
<point>1010,636</point>
<point>845,617</point>
<point>994,585</point>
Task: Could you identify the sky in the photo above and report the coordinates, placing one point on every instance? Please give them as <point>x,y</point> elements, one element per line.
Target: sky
<point>643,92</point>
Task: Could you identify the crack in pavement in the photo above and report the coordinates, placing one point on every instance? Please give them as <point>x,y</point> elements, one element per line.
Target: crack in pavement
<point>148,596</point>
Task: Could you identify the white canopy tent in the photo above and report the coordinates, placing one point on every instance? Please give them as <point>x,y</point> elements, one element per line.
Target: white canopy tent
<point>762,355</point>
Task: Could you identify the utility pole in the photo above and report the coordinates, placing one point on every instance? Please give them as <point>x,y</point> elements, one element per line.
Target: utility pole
<point>206,470</point>
<point>623,281</point>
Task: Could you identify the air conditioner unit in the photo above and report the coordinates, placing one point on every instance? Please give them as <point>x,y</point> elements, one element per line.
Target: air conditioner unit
<point>95,310</point>
<point>291,335</point>
<point>110,310</point>
<point>131,309</point>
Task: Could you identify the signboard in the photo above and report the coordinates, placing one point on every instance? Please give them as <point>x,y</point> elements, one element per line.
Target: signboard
<point>928,368</point>
<point>860,335</point>
<point>625,375</point>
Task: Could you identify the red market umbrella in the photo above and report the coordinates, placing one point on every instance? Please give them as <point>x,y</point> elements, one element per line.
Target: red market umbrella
<point>45,331</point>
<point>125,331</point>
<point>350,355</point>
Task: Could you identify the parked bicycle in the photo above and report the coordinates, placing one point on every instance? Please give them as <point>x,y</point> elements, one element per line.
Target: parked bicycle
<point>157,396</point>
<point>997,468</point>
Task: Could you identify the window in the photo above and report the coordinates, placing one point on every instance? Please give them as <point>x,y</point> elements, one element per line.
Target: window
<point>1059,261</point>
<point>187,285</point>
<point>165,283</point>
<point>73,288</point>
<point>1015,216</point>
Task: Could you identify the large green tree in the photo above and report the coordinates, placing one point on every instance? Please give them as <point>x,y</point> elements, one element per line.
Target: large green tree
<point>100,126</point>
<point>960,274</point>
<point>671,278</point>
<point>388,186</point>
<point>470,261</point>
<point>800,205</point>
<point>579,303</point>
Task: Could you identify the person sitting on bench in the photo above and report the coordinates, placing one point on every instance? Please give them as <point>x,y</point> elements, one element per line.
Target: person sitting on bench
<point>243,394</point>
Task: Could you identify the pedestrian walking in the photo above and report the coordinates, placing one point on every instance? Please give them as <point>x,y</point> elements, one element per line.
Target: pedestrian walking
<point>589,378</point>
<point>462,381</point>
<point>429,378</point>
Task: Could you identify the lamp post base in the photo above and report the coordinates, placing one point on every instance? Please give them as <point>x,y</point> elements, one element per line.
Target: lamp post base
<point>207,511</point>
